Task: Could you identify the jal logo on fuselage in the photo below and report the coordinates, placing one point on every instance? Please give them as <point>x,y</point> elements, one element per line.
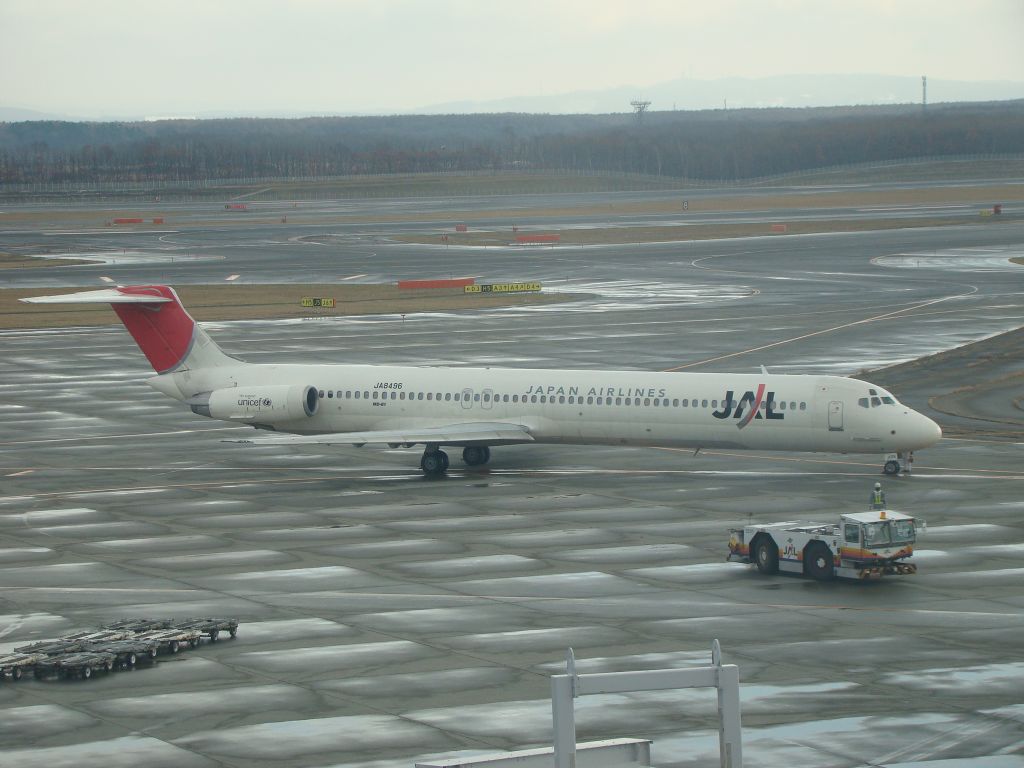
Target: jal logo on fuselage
<point>748,407</point>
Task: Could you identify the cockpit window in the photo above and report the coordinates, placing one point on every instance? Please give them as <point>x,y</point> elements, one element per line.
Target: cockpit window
<point>885,532</point>
<point>903,531</point>
<point>877,534</point>
<point>875,400</point>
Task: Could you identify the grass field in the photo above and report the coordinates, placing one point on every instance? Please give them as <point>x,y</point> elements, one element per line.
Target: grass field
<point>984,196</point>
<point>262,302</point>
<point>671,234</point>
<point>12,261</point>
<point>282,301</point>
<point>504,182</point>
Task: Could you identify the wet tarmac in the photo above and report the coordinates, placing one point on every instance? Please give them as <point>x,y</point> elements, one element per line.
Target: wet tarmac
<point>386,618</point>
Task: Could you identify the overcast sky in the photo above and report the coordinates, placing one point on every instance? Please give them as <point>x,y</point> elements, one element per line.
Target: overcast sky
<point>103,58</point>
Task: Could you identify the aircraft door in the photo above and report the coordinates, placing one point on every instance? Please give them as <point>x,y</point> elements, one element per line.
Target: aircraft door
<point>487,399</point>
<point>467,398</point>
<point>835,416</point>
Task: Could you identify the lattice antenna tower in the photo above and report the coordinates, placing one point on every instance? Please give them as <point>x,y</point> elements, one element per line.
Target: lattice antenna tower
<point>639,107</point>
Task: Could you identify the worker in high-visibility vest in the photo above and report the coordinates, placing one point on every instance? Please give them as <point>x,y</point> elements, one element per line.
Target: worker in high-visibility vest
<point>877,500</point>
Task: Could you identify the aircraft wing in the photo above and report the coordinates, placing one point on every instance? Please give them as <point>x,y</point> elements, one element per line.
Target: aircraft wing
<point>476,433</point>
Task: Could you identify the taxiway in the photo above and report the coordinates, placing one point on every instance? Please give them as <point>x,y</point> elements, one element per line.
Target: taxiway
<point>387,618</point>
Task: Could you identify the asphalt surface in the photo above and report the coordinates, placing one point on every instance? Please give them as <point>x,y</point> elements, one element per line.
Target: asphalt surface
<point>386,618</point>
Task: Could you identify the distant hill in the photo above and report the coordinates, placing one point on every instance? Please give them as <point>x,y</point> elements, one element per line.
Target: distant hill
<point>787,91</point>
<point>18,114</point>
<point>793,91</point>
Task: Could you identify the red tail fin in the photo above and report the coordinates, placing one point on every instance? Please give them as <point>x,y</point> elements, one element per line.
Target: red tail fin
<point>164,331</point>
<point>153,315</point>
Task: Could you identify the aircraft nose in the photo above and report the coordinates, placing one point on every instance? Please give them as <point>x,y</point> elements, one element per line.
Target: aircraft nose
<point>927,430</point>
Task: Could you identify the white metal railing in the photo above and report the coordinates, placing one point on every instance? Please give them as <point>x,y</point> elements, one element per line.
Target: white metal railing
<point>726,678</point>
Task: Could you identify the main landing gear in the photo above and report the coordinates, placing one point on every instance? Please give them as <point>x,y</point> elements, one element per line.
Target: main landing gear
<point>435,461</point>
<point>475,455</point>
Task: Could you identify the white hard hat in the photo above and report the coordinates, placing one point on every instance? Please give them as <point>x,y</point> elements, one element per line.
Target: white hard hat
<point>878,486</point>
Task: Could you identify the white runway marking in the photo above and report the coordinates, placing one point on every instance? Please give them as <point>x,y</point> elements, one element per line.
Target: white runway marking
<point>862,321</point>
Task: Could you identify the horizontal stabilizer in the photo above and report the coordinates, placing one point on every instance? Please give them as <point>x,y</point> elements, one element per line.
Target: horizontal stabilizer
<point>102,296</point>
<point>483,433</point>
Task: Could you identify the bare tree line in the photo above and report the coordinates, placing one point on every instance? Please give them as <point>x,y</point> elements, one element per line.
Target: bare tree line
<point>713,145</point>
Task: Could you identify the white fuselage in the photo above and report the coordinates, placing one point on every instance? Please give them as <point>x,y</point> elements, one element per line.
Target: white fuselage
<point>695,410</point>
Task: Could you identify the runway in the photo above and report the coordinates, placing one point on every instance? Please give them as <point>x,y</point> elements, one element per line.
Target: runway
<point>386,618</point>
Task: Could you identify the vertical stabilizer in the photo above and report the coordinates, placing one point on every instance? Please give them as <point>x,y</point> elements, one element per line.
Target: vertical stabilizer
<point>167,335</point>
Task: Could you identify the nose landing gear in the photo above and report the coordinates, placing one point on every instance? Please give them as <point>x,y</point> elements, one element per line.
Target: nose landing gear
<point>898,462</point>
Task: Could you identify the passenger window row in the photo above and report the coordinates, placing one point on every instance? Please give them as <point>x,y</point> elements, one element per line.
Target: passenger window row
<point>656,402</point>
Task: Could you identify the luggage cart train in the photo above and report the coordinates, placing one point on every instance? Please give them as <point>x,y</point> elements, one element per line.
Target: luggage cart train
<point>121,644</point>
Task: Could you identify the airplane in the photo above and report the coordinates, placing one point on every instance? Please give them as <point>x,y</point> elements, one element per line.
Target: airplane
<point>476,409</point>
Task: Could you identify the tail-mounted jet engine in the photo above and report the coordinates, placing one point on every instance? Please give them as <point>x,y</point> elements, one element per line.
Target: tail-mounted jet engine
<point>264,405</point>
